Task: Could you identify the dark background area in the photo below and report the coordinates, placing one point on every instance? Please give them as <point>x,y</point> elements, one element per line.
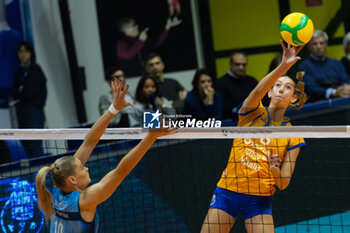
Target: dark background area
<point>178,49</point>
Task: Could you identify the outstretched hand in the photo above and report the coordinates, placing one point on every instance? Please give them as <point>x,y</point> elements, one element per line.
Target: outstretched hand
<point>163,131</point>
<point>143,34</point>
<point>119,95</point>
<point>290,54</point>
<point>172,23</point>
<point>156,133</point>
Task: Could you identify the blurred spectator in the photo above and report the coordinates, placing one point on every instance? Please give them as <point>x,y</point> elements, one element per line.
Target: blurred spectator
<point>29,92</point>
<point>324,77</point>
<point>147,99</point>
<point>174,10</point>
<point>132,41</point>
<point>169,88</point>
<point>9,41</point>
<point>235,85</point>
<point>203,101</point>
<point>122,118</point>
<point>346,59</point>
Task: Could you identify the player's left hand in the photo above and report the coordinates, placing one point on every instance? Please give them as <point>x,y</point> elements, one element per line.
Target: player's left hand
<point>156,133</point>
<point>274,160</point>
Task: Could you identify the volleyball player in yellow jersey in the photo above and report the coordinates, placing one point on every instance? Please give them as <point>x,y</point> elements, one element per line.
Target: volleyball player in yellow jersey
<point>256,166</point>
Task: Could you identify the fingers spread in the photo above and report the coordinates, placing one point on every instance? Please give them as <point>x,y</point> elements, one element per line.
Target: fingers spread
<point>129,104</point>
<point>118,86</point>
<point>114,87</point>
<point>125,90</point>
<point>283,45</point>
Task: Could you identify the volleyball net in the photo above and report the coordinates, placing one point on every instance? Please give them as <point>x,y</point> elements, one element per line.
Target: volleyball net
<point>171,188</point>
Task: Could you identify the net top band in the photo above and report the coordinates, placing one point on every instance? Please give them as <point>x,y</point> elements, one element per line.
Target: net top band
<point>183,133</point>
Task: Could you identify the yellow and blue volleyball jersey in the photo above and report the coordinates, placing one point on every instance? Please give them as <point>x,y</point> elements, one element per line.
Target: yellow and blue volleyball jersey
<point>67,218</point>
<point>248,170</point>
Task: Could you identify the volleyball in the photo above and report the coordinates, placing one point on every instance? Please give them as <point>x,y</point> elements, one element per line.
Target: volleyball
<point>297,29</point>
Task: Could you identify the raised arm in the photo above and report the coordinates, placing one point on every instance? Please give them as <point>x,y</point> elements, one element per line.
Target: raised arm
<point>288,60</point>
<point>127,53</point>
<point>102,190</point>
<point>96,131</point>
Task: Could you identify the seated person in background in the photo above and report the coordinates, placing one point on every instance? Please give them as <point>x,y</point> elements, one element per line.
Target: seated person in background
<point>325,77</point>
<point>169,88</point>
<point>235,85</point>
<point>122,119</point>
<point>203,101</point>
<point>346,59</point>
<point>148,99</point>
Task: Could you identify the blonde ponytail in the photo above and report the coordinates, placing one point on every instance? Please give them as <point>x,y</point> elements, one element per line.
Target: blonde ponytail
<point>44,195</point>
<point>60,170</point>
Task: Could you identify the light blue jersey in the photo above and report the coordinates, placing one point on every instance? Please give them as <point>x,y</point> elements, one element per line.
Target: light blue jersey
<point>67,218</point>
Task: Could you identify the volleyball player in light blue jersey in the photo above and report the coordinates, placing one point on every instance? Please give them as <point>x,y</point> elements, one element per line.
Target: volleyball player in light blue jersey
<point>71,208</point>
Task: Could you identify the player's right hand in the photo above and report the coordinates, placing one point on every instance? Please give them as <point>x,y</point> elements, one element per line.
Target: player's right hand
<point>143,34</point>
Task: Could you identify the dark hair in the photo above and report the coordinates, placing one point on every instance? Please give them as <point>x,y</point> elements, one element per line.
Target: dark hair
<point>139,93</point>
<point>109,73</point>
<point>29,47</point>
<point>197,76</point>
<point>237,52</point>
<point>151,56</point>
